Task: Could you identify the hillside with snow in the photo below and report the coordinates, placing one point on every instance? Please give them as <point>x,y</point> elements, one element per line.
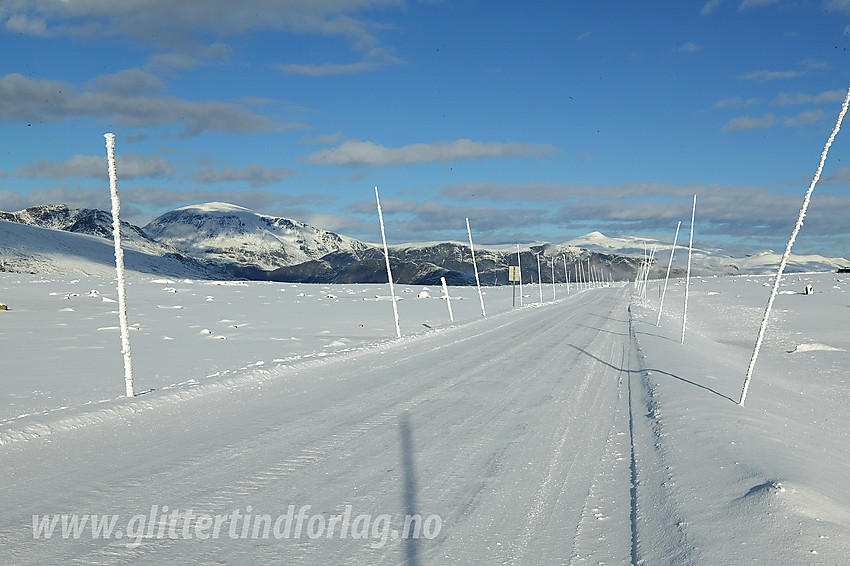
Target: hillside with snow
<point>31,249</point>
<point>227,233</point>
<point>88,221</point>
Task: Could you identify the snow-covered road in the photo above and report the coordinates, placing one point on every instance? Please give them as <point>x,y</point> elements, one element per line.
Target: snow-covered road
<point>512,437</point>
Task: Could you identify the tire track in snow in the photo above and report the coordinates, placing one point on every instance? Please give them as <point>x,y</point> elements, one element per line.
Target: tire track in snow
<point>577,443</point>
<point>606,510</point>
<point>664,540</point>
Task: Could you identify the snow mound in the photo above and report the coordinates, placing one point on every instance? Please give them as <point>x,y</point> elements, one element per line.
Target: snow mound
<point>766,489</point>
<point>815,347</point>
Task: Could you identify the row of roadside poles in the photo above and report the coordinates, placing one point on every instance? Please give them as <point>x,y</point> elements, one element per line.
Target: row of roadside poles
<point>585,276</point>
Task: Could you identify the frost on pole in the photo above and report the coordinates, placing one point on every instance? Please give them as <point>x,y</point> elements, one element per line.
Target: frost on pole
<point>553,278</point>
<point>785,255</point>
<point>646,273</point>
<point>519,266</point>
<point>387,259</point>
<point>539,279</point>
<point>475,268</point>
<point>688,276</point>
<point>667,278</point>
<point>448,299</point>
<point>119,264</point>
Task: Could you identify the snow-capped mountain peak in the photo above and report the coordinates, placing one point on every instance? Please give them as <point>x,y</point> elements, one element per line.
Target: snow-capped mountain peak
<point>229,233</point>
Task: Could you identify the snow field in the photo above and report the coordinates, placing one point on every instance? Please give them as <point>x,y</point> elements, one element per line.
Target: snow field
<point>187,333</point>
<point>766,483</point>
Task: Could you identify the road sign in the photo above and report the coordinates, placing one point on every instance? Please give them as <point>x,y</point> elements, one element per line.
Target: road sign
<point>513,273</point>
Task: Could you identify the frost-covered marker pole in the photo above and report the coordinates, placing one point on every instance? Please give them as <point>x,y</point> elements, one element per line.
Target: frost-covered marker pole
<point>475,268</point>
<point>119,264</point>
<point>667,278</point>
<point>785,255</point>
<point>646,273</point>
<point>688,276</point>
<point>389,271</point>
<point>553,278</point>
<point>447,298</point>
<point>566,274</point>
<point>519,267</point>
<point>539,279</point>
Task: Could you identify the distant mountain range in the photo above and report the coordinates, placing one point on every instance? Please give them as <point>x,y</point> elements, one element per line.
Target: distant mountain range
<point>708,259</point>
<point>225,241</point>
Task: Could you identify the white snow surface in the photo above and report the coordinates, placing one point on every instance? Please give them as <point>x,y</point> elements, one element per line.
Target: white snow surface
<point>568,432</point>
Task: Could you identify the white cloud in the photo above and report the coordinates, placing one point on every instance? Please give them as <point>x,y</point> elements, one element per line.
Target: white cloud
<point>838,6</point>
<point>129,165</point>
<point>325,139</point>
<point>374,59</point>
<point>416,217</point>
<point>743,123</point>
<point>34,100</point>
<point>551,192</point>
<point>189,56</point>
<point>255,174</point>
<point>128,82</point>
<point>178,29</point>
<point>764,75</point>
<point>736,102</point>
<point>709,7</point>
<point>163,21</point>
<point>726,210</point>
<point>688,48</point>
<point>796,98</point>
<point>747,4</point>
<point>729,211</point>
<point>329,68</point>
<point>362,153</point>
<point>20,23</point>
<point>516,192</point>
<point>814,64</point>
<point>805,118</point>
<point>840,176</point>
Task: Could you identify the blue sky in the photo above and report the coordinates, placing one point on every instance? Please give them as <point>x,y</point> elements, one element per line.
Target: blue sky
<point>538,120</point>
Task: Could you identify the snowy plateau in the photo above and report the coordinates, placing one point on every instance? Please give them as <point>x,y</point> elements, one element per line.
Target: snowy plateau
<point>568,431</point>
<point>284,423</point>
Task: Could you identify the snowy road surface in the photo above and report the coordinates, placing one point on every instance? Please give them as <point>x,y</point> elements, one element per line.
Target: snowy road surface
<point>511,437</point>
